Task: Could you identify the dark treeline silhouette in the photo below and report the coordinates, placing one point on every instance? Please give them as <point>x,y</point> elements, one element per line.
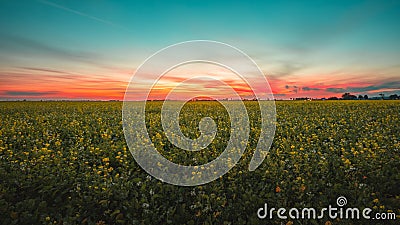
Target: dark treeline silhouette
<point>394,97</point>
<point>348,96</point>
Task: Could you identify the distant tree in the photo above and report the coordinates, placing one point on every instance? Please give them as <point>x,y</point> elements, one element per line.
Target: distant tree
<point>394,97</point>
<point>360,97</point>
<point>348,96</point>
<point>303,98</point>
<point>365,96</point>
<point>333,98</point>
<point>382,95</point>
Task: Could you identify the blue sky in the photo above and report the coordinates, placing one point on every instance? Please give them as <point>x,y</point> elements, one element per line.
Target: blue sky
<point>305,48</point>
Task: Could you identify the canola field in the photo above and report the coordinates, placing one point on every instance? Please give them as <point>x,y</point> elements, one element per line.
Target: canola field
<point>68,163</point>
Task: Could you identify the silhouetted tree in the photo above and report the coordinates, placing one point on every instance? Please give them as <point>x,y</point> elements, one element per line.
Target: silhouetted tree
<point>365,96</point>
<point>394,97</point>
<point>360,97</point>
<point>382,95</point>
<point>348,96</point>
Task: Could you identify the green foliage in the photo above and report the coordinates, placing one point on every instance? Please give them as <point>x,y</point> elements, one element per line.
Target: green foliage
<point>67,162</point>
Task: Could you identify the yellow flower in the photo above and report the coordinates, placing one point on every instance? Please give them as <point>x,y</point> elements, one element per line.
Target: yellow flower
<point>302,188</point>
<point>347,162</point>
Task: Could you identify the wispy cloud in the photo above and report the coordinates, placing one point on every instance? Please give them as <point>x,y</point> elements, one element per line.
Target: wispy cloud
<point>292,88</point>
<point>286,68</point>
<point>15,43</point>
<point>310,89</point>
<point>394,85</point>
<point>45,70</point>
<point>21,46</point>
<point>336,90</point>
<point>55,5</point>
<point>29,93</point>
<point>388,85</point>
<point>40,83</point>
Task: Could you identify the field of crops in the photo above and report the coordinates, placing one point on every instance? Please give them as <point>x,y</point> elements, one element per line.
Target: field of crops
<point>68,163</point>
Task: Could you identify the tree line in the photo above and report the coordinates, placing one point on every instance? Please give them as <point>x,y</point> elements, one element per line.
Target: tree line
<point>348,96</point>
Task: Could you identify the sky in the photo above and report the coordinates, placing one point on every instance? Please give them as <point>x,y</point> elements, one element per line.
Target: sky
<point>90,49</point>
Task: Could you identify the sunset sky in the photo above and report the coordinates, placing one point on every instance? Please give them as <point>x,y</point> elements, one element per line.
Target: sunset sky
<point>89,49</point>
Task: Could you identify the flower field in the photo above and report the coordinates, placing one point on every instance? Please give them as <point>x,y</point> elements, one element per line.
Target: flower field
<point>68,163</point>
